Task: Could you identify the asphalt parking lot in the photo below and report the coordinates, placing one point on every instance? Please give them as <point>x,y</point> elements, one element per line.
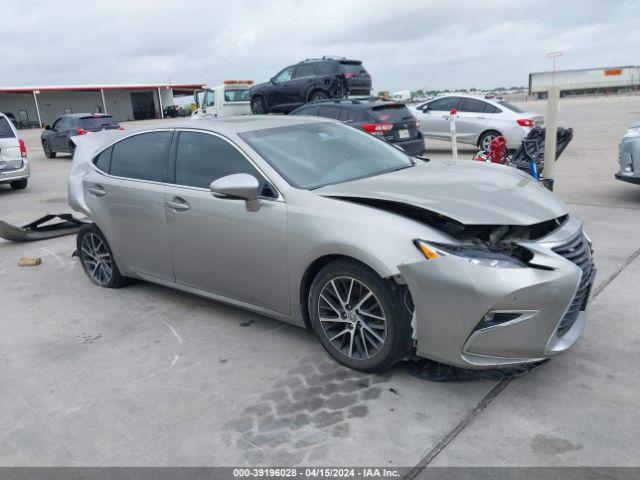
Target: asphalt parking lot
<point>151,376</point>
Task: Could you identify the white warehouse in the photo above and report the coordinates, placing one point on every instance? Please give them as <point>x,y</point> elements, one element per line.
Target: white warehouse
<point>590,81</point>
<point>35,106</point>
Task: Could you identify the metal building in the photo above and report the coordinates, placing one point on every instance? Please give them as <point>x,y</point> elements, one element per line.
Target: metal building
<point>36,106</point>
<point>590,81</point>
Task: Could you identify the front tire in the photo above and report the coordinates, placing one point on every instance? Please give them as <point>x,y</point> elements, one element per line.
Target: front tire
<point>359,317</point>
<point>20,184</point>
<point>97,259</point>
<point>47,150</point>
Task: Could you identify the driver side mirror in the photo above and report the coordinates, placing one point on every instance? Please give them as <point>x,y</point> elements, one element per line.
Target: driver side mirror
<point>238,186</point>
<point>273,80</point>
<point>47,127</point>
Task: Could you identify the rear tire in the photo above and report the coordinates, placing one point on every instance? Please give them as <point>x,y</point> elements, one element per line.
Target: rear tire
<point>258,105</point>
<point>97,259</point>
<point>318,96</point>
<point>369,335</point>
<point>47,150</point>
<point>486,138</point>
<point>72,149</point>
<point>20,184</point>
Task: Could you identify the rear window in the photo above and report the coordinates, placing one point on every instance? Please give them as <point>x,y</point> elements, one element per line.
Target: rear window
<point>351,67</point>
<point>391,114</point>
<point>97,122</point>
<point>510,106</point>
<point>5,128</point>
<point>325,68</point>
<point>236,95</point>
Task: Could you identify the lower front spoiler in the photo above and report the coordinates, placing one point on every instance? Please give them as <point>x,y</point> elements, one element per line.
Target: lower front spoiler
<point>452,297</point>
<point>42,229</point>
<point>628,178</point>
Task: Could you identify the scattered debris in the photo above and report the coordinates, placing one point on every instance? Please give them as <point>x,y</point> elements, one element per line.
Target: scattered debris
<point>248,323</point>
<point>223,360</point>
<point>42,228</point>
<point>29,261</point>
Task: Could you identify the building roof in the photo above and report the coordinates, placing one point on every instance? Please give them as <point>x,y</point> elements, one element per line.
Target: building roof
<point>97,87</point>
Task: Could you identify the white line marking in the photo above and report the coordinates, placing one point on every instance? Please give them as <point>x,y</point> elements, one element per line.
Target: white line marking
<point>173,330</point>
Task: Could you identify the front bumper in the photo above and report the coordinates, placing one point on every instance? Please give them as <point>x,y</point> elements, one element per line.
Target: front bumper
<point>17,174</point>
<point>452,296</point>
<point>629,160</point>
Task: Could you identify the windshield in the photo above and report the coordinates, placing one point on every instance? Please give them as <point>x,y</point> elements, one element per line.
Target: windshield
<point>317,154</point>
<point>510,106</point>
<point>97,122</point>
<point>236,95</point>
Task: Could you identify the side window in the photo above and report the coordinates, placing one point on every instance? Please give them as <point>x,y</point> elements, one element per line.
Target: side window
<point>56,124</point>
<point>103,160</point>
<point>329,111</point>
<point>344,115</point>
<point>326,68</point>
<point>491,109</point>
<point>142,157</point>
<point>472,105</point>
<point>443,104</point>
<point>65,124</point>
<point>210,98</point>
<point>305,70</point>
<point>202,158</point>
<point>285,75</point>
<point>313,111</point>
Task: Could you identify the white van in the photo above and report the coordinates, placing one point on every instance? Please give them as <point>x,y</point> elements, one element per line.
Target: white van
<point>230,98</point>
<point>14,165</point>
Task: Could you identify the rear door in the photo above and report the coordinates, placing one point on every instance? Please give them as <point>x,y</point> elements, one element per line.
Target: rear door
<point>471,120</point>
<point>434,116</point>
<point>10,158</point>
<point>127,202</point>
<point>301,83</point>
<point>217,244</point>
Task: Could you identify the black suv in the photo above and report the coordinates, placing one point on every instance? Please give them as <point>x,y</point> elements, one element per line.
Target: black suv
<point>389,120</point>
<point>309,81</point>
<point>57,137</point>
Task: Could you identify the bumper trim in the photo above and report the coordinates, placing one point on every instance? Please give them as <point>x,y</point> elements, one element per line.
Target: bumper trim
<point>628,178</point>
<point>13,175</point>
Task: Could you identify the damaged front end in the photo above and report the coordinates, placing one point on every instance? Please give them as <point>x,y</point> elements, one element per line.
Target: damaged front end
<point>495,295</point>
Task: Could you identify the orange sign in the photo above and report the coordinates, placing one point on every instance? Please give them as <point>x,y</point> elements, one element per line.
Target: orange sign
<point>612,72</point>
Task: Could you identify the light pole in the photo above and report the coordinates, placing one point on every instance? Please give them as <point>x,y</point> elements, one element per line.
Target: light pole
<point>553,56</point>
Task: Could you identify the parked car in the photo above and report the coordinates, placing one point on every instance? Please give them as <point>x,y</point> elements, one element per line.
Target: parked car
<point>172,111</point>
<point>230,98</point>
<point>321,225</point>
<point>56,138</point>
<point>14,163</point>
<point>629,155</point>
<point>388,120</point>
<point>309,81</point>
<point>480,120</point>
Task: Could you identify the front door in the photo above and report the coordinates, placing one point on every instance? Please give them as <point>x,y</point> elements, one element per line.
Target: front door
<point>280,93</point>
<point>434,119</point>
<point>471,119</point>
<point>217,244</point>
<point>128,203</point>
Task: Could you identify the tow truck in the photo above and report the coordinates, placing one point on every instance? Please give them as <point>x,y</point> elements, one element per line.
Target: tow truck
<point>230,98</point>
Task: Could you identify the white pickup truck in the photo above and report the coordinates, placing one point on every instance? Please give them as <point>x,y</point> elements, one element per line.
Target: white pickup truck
<point>230,98</point>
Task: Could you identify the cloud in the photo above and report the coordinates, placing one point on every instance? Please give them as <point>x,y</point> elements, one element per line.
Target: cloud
<point>408,44</point>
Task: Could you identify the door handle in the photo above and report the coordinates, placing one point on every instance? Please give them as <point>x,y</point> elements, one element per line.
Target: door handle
<point>178,204</point>
<point>97,191</point>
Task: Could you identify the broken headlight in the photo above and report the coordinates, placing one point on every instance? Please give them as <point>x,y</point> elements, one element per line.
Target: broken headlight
<point>471,253</point>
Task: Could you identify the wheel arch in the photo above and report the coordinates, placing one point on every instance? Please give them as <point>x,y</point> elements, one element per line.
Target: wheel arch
<point>315,89</point>
<point>310,274</point>
<point>487,130</point>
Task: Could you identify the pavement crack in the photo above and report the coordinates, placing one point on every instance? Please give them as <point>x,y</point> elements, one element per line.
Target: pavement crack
<point>612,277</point>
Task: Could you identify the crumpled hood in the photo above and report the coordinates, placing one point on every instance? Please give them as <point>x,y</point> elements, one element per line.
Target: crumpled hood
<point>473,193</point>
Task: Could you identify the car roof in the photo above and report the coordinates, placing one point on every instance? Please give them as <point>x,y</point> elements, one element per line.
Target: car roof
<point>239,124</point>
<point>85,115</point>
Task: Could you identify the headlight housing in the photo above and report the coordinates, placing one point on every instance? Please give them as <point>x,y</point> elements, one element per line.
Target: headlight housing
<point>471,253</point>
<point>632,132</point>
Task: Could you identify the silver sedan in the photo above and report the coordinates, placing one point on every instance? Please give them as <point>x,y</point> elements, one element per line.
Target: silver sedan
<point>629,155</point>
<point>385,256</point>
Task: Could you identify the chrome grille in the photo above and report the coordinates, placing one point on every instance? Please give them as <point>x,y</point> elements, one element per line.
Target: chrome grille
<point>577,251</point>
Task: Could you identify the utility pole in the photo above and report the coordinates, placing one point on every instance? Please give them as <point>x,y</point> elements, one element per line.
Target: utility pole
<point>551,126</point>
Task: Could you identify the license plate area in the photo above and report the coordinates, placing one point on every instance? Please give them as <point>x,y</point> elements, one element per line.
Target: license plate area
<point>403,134</point>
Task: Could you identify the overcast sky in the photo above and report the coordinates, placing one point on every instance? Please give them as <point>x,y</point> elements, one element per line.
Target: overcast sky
<point>405,44</point>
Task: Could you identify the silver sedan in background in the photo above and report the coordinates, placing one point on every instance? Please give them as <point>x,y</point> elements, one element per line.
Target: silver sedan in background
<point>480,120</point>
<point>385,256</point>
<point>629,155</point>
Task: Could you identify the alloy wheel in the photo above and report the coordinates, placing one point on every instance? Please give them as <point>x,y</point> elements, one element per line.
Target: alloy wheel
<point>352,318</point>
<point>486,142</point>
<point>96,259</point>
